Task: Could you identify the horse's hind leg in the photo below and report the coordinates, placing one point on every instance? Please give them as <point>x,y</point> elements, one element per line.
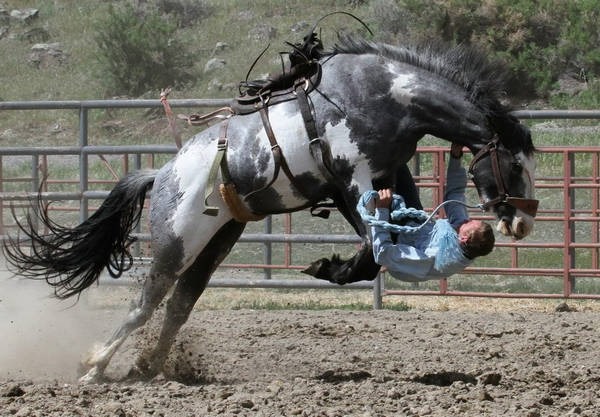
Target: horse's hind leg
<point>155,288</point>
<point>190,286</point>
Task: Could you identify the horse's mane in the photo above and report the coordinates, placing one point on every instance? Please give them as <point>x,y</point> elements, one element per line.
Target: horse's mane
<point>484,80</point>
<point>467,67</point>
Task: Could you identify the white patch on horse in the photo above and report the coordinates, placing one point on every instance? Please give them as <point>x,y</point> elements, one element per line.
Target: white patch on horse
<point>522,223</point>
<point>338,137</point>
<point>191,169</point>
<point>289,130</point>
<point>292,138</point>
<point>528,173</point>
<point>402,87</point>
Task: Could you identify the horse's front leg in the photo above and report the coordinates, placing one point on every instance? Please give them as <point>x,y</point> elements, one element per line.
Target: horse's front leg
<point>361,266</point>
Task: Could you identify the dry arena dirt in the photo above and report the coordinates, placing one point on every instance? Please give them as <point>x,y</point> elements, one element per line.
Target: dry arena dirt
<point>459,362</point>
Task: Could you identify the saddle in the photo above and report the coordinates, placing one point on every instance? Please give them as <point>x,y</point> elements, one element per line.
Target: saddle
<point>302,76</point>
<point>259,94</point>
<point>303,70</point>
<point>295,83</point>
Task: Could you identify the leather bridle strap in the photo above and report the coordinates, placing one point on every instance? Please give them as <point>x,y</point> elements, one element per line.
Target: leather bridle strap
<point>307,115</point>
<point>218,162</point>
<point>528,206</point>
<point>491,149</point>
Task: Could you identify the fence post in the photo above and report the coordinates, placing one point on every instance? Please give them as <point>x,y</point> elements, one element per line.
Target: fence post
<point>267,247</point>
<point>83,162</point>
<point>570,280</point>
<point>378,291</point>
<point>35,181</point>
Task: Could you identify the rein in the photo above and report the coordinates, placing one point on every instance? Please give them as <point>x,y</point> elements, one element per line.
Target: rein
<point>442,204</point>
<point>528,206</point>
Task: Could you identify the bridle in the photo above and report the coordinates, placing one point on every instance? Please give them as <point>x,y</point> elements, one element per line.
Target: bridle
<point>526,205</point>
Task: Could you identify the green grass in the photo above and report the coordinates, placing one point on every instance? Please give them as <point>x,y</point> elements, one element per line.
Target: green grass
<point>73,24</point>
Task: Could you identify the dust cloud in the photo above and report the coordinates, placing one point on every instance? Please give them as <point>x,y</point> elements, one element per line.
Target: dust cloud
<point>42,337</point>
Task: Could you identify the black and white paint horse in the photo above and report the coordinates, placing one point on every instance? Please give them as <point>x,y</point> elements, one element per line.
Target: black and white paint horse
<point>373,104</point>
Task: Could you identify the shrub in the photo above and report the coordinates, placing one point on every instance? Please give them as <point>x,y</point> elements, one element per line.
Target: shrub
<point>539,40</point>
<point>388,17</point>
<point>586,99</point>
<point>138,52</point>
<point>185,12</point>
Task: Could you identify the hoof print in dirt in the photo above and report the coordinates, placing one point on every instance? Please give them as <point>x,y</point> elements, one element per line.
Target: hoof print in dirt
<point>564,308</point>
<point>343,376</point>
<point>12,391</point>
<point>490,378</point>
<point>445,379</point>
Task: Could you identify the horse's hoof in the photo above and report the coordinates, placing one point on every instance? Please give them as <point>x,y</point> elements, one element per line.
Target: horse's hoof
<point>142,370</point>
<point>93,376</point>
<point>135,374</point>
<point>320,269</point>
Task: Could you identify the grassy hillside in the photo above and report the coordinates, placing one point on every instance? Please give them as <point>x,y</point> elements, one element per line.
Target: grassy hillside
<point>542,43</point>
<point>72,24</point>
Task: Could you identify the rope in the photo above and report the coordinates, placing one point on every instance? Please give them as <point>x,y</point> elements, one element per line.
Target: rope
<point>170,117</point>
<point>398,212</point>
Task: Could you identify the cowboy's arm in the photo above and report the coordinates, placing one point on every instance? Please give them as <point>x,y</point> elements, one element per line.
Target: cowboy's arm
<point>456,183</point>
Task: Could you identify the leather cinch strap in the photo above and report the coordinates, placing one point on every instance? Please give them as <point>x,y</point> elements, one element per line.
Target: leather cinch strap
<point>219,161</point>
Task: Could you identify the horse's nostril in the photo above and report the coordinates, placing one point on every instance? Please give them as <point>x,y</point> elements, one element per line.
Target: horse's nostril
<point>504,227</point>
<point>520,231</point>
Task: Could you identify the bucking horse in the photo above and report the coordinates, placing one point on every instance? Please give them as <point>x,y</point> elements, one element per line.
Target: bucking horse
<point>333,125</point>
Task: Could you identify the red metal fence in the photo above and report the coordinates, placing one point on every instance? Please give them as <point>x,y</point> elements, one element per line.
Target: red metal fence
<point>565,241</point>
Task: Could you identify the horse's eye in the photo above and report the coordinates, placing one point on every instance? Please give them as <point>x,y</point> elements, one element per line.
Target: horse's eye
<point>516,166</point>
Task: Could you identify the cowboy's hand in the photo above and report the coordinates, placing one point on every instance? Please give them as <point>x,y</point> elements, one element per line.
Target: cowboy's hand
<point>456,150</point>
<point>385,198</point>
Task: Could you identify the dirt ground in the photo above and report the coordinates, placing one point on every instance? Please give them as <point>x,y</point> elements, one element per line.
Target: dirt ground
<point>518,362</point>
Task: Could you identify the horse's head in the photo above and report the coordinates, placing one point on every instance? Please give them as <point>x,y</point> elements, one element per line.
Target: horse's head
<point>503,171</point>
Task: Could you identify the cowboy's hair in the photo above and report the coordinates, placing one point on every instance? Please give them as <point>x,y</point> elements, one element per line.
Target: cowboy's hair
<point>480,241</point>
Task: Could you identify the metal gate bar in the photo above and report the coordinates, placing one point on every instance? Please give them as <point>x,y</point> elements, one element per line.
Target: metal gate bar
<point>569,216</point>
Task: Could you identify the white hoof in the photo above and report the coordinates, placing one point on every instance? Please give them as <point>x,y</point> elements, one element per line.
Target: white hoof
<point>91,377</point>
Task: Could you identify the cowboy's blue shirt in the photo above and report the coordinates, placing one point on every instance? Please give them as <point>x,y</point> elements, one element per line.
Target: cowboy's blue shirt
<point>412,258</point>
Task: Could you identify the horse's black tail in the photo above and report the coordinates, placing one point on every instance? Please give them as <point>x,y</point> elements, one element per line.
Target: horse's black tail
<point>71,259</point>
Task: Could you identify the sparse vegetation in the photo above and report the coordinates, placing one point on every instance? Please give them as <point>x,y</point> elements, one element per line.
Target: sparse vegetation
<point>173,39</point>
<point>138,51</point>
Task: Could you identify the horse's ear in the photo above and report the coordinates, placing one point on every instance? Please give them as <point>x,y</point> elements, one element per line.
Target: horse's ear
<point>514,135</point>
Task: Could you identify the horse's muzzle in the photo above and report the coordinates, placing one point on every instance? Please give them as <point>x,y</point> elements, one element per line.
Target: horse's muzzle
<point>528,206</point>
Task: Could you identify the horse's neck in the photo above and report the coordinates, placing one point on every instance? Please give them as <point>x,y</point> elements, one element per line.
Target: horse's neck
<point>419,101</point>
<point>447,115</point>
